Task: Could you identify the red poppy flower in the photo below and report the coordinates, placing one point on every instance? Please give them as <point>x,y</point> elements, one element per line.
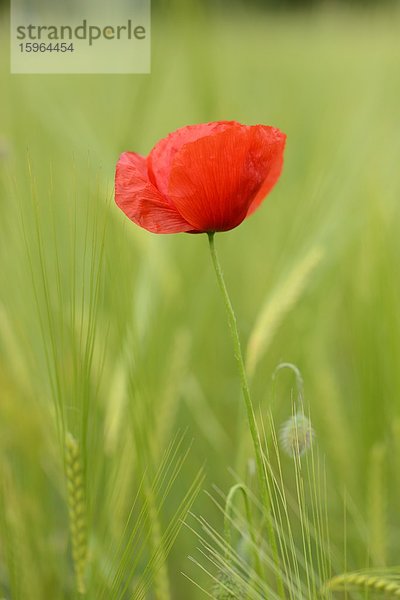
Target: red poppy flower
<point>201,178</point>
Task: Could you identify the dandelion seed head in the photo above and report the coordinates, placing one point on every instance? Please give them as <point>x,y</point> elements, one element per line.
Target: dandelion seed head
<point>297,435</point>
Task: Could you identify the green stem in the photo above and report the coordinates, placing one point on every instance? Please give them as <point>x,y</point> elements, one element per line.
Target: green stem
<point>249,406</point>
<point>228,519</point>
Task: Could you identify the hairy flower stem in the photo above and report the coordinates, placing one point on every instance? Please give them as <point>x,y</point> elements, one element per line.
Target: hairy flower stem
<point>262,481</point>
<point>228,520</point>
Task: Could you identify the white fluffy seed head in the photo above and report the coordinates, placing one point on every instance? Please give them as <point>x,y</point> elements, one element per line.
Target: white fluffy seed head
<point>297,435</point>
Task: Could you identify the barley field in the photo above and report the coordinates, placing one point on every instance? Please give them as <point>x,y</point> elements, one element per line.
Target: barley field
<point>127,469</point>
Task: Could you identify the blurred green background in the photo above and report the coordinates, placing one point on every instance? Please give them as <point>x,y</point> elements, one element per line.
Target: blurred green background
<point>127,329</point>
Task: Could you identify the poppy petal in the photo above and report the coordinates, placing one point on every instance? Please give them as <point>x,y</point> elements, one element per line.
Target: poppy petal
<point>160,159</point>
<point>276,141</point>
<point>140,200</point>
<point>214,179</point>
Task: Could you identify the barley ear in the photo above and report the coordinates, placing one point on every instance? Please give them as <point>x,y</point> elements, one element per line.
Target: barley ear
<point>366,581</point>
<point>77,509</point>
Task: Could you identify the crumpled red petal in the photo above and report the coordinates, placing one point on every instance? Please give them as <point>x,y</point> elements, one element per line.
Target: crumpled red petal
<point>276,141</point>
<point>161,157</point>
<point>215,179</point>
<point>140,200</point>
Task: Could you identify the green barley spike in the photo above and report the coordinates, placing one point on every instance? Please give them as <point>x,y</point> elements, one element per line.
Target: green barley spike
<point>367,581</point>
<point>227,588</point>
<point>77,510</point>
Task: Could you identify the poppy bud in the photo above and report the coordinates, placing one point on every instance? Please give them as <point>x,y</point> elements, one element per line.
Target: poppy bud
<point>297,435</point>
